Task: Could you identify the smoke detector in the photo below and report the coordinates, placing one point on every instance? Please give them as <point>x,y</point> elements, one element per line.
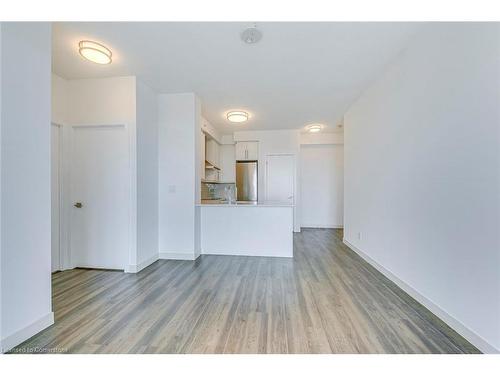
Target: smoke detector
<point>251,35</point>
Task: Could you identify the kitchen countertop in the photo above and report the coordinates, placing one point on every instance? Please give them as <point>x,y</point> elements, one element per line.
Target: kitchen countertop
<point>219,203</point>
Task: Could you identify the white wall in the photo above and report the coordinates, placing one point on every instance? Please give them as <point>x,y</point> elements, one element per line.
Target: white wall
<point>322,185</point>
<point>276,142</point>
<point>322,138</point>
<point>147,173</point>
<point>179,138</point>
<point>422,175</point>
<point>102,101</point>
<point>60,100</point>
<point>1,309</point>
<point>322,179</point>
<point>197,174</point>
<point>25,181</point>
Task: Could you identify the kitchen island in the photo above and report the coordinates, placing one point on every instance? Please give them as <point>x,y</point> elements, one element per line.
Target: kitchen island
<point>244,228</point>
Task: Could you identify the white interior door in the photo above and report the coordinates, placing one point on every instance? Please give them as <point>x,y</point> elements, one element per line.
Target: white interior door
<point>100,183</point>
<point>280,176</point>
<point>55,148</point>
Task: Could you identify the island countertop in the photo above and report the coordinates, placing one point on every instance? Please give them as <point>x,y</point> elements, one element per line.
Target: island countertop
<point>219,203</point>
<point>264,229</point>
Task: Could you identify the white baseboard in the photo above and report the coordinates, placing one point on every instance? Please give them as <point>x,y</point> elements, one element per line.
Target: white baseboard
<point>258,254</point>
<point>327,226</point>
<point>178,256</point>
<point>134,268</point>
<point>458,326</point>
<point>25,333</point>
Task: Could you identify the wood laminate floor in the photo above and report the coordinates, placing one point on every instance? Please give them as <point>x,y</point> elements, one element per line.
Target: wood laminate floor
<point>324,300</point>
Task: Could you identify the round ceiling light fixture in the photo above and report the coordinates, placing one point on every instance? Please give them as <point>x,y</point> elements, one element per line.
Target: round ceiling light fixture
<point>95,52</point>
<point>237,116</point>
<point>314,128</point>
<point>251,35</point>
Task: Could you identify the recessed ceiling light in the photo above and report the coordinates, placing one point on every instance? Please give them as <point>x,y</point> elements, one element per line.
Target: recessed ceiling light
<point>237,116</point>
<point>94,52</point>
<point>251,35</point>
<point>314,128</point>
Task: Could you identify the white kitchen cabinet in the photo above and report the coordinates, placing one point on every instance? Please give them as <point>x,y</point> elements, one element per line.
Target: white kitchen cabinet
<point>209,130</point>
<point>212,152</point>
<point>202,155</point>
<point>240,151</point>
<point>252,150</point>
<point>227,163</point>
<point>248,150</point>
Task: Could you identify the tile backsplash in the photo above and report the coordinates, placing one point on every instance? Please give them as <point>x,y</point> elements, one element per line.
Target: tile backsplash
<point>216,191</point>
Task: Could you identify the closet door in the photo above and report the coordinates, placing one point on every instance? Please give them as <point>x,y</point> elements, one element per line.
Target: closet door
<point>100,192</point>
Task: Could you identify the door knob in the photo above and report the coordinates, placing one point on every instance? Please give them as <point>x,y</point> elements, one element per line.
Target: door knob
<point>78,205</point>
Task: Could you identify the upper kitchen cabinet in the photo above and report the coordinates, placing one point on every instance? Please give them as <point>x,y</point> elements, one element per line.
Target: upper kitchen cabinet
<point>227,163</point>
<point>212,152</point>
<point>210,130</point>
<point>248,150</point>
<point>252,150</point>
<point>202,155</point>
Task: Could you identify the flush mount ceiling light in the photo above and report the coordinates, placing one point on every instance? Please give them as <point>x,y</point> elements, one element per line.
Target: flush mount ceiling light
<point>237,116</point>
<point>95,52</point>
<point>251,35</point>
<point>314,128</point>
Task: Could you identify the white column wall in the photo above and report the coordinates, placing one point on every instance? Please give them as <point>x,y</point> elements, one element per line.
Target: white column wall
<point>147,175</point>
<point>179,138</point>
<point>25,181</point>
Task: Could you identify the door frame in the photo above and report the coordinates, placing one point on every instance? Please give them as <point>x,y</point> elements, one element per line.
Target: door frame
<point>129,263</point>
<point>59,127</point>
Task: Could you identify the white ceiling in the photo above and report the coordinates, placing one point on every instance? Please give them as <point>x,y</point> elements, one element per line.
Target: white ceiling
<point>297,74</point>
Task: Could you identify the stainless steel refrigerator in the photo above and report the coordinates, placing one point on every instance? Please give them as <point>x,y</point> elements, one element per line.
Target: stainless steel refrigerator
<point>246,180</point>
